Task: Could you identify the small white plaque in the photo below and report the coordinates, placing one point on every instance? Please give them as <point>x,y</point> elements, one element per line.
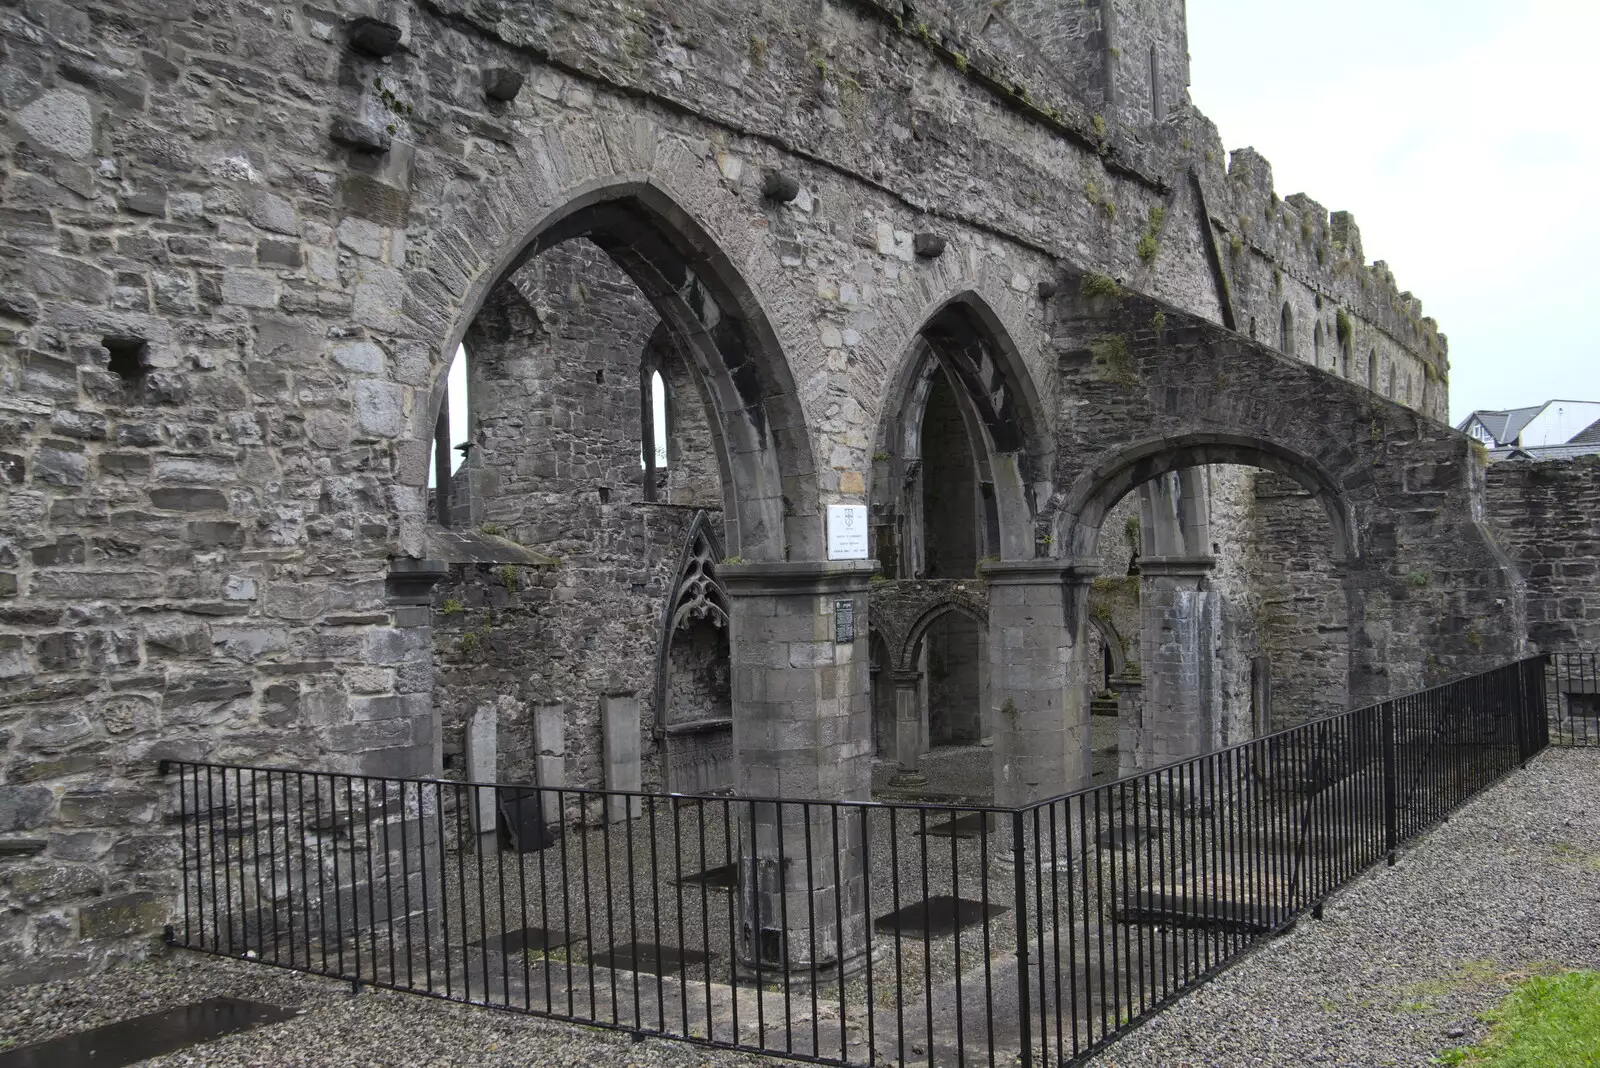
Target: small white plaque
<point>847,532</point>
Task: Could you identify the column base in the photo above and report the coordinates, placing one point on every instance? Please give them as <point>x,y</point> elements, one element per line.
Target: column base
<point>908,780</point>
<point>798,976</point>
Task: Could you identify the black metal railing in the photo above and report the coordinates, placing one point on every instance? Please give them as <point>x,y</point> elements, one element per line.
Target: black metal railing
<point>1572,698</point>
<point>849,933</point>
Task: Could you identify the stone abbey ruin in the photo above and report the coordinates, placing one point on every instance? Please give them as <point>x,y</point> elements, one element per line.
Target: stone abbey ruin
<point>1152,460</point>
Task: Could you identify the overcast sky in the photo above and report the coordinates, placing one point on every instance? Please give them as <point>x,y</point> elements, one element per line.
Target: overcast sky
<point>1461,134</point>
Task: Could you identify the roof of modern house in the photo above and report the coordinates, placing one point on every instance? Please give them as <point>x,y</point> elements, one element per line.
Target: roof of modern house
<point>1504,425</point>
<point>1546,452</point>
<point>1589,435</point>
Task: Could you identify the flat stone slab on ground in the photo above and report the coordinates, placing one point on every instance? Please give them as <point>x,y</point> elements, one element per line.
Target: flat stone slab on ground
<point>650,957</point>
<point>721,877</point>
<point>968,826</point>
<point>936,917</point>
<point>143,1037</point>
<point>528,939</point>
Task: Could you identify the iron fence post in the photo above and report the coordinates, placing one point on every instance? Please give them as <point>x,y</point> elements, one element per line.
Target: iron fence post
<point>1391,811</point>
<point>1520,713</point>
<point>1019,868</point>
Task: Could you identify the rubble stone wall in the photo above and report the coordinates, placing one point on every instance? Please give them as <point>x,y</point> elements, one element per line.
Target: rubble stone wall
<point>1547,516</point>
<point>238,251</point>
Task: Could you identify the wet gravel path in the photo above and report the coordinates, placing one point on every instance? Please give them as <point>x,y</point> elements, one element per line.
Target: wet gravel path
<point>1408,958</point>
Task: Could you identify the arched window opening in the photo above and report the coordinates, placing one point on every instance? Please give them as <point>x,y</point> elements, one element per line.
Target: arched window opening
<point>1316,344</point>
<point>447,454</point>
<point>658,413</point>
<point>1286,330</point>
<point>1372,370</point>
<point>949,487</point>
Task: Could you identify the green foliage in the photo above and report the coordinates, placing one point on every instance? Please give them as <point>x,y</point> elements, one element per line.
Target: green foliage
<point>469,643</point>
<point>508,577</point>
<point>1147,247</point>
<point>490,528</point>
<point>1111,356</point>
<point>1158,322</point>
<point>734,560</point>
<point>960,61</point>
<point>758,50</point>
<point>452,606</point>
<point>1098,285</point>
<point>1343,326</point>
<point>1131,529</point>
<point>1099,124</point>
<point>1156,217</point>
<point>880,457</point>
<point>1418,579</point>
<point>1544,1022</point>
<point>1236,245</point>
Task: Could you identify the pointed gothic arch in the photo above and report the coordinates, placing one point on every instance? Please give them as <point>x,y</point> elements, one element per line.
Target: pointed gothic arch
<point>756,419</point>
<point>696,747</point>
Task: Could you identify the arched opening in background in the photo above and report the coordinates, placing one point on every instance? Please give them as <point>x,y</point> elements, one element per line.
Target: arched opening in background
<point>1286,330</point>
<point>1242,606</point>
<point>615,362</point>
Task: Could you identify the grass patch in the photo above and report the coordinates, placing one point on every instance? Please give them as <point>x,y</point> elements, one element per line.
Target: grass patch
<point>1545,1022</point>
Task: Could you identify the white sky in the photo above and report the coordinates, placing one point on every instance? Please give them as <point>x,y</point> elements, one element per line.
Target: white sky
<point>1461,134</point>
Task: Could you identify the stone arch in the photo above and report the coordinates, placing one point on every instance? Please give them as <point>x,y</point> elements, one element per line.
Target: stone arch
<point>1286,330</point>
<point>1316,343</point>
<point>965,338</point>
<point>1372,369</point>
<point>1100,487</point>
<point>911,643</point>
<point>758,424</point>
<point>1113,643</point>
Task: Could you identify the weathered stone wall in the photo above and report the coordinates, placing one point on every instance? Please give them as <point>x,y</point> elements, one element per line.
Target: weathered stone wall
<point>1303,614</point>
<point>1547,516</point>
<point>237,255</point>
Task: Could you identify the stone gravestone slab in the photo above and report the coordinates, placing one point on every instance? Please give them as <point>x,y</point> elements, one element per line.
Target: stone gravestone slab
<point>619,719</point>
<point>483,730</point>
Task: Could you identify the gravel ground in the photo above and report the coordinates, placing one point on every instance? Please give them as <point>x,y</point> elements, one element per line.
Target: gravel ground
<point>1408,958</point>
<point>334,1029</point>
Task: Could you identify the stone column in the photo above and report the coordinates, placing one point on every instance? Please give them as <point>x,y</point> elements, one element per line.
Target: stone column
<point>1181,629</point>
<point>908,732</point>
<point>802,728</point>
<point>1038,677</point>
<point>1130,720</point>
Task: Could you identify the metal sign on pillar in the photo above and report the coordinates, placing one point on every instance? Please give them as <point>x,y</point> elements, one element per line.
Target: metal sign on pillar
<point>844,622</point>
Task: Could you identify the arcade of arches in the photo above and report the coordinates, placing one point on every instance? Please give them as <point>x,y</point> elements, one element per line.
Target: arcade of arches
<point>705,294</point>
